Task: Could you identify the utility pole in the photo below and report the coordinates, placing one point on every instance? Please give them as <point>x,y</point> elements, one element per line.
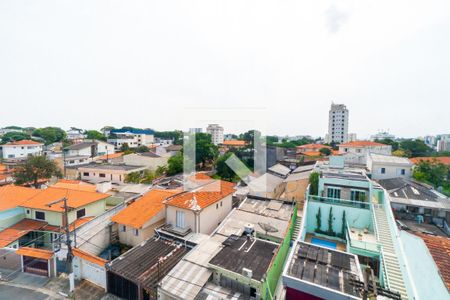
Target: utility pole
<point>68,242</point>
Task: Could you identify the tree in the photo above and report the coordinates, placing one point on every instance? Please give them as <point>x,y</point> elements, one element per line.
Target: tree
<point>415,148</point>
<point>160,170</point>
<point>124,147</point>
<point>175,164</point>
<point>50,134</point>
<point>330,222</point>
<point>314,183</point>
<point>344,224</point>
<point>14,136</point>
<point>142,149</point>
<point>386,141</point>
<point>319,221</point>
<point>137,177</point>
<point>95,135</point>
<point>432,172</point>
<point>176,136</point>
<point>399,153</point>
<point>205,151</point>
<point>34,169</point>
<point>223,170</point>
<point>325,151</point>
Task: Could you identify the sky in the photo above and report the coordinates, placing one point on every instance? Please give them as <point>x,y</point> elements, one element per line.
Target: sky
<point>179,64</point>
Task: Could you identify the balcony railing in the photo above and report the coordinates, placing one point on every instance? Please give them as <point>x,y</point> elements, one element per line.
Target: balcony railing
<point>364,245</point>
<point>337,201</point>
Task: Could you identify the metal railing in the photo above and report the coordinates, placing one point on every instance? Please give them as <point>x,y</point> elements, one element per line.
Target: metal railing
<point>337,201</point>
<point>369,246</point>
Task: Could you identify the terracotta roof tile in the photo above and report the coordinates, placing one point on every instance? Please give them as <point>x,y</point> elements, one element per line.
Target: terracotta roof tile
<point>75,199</point>
<point>362,144</point>
<point>142,210</point>
<point>439,248</point>
<point>313,146</point>
<point>204,196</point>
<point>110,156</point>
<point>78,222</point>
<point>311,153</point>
<point>75,185</point>
<point>89,257</point>
<point>234,143</point>
<point>12,196</point>
<point>442,159</point>
<point>23,142</point>
<point>16,231</point>
<point>34,252</point>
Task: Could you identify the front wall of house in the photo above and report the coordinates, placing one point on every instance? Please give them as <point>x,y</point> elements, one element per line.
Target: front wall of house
<point>390,171</point>
<point>94,273</point>
<point>20,151</point>
<point>211,216</point>
<point>93,175</point>
<point>189,217</point>
<point>129,237</point>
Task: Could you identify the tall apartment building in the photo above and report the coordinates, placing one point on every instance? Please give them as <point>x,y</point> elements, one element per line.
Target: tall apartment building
<point>337,124</point>
<point>216,132</point>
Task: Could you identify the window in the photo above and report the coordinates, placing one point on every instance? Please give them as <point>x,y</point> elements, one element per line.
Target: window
<point>136,232</point>
<point>402,172</point>
<point>28,211</point>
<point>86,174</point>
<point>124,228</point>
<point>221,204</point>
<point>217,205</point>
<point>81,213</point>
<point>358,150</point>
<point>358,195</point>
<point>39,215</point>
<point>334,193</point>
<point>180,219</point>
<point>102,175</point>
<point>383,170</point>
<point>345,149</point>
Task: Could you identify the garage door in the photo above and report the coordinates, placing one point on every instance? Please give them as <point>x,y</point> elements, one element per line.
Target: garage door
<point>35,266</point>
<point>93,273</point>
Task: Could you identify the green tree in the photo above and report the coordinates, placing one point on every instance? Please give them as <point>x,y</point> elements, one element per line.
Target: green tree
<point>175,164</point>
<point>160,170</point>
<point>205,151</point>
<point>50,134</point>
<point>325,151</point>
<point>314,183</point>
<point>394,144</point>
<point>95,135</point>
<point>34,169</point>
<point>124,147</point>
<point>319,221</point>
<point>344,225</point>
<point>330,222</point>
<point>142,149</point>
<point>432,172</point>
<point>415,148</point>
<point>223,170</point>
<point>14,136</point>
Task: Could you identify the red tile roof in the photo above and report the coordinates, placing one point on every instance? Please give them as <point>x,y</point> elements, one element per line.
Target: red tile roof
<point>16,231</point>
<point>23,142</point>
<point>36,253</point>
<point>110,156</point>
<point>362,144</point>
<point>311,153</point>
<point>142,210</point>
<point>204,196</point>
<point>442,159</point>
<point>75,185</point>
<point>89,257</point>
<point>12,196</point>
<point>313,146</point>
<point>78,222</point>
<point>236,143</point>
<point>439,248</point>
<point>75,198</point>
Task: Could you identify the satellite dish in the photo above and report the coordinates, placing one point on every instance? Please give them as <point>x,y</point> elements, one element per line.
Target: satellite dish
<point>267,227</point>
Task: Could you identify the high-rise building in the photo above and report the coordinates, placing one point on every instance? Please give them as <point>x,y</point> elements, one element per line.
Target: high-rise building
<point>216,133</point>
<point>195,130</point>
<point>337,124</point>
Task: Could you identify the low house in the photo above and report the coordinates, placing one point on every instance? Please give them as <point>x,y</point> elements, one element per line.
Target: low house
<point>21,149</point>
<point>132,137</point>
<point>200,210</point>
<point>75,185</point>
<point>388,166</point>
<point>173,150</point>
<point>138,221</point>
<point>89,148</point>
<point>32,233</point>
<point>150,160</point>
<point>107,172</point>
<point>356,152</point>
<point>114,158</point>
<point>296,184</point>
<point>232,144</point>
<point>11,197</point>
<point>80,203</point>
<point>311,149</point>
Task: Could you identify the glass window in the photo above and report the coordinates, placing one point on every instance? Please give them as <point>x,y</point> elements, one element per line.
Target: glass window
<point>86,174</point>
<point>402,171</point>
<point>102,175</point>
<point>124,228</point>
<point>334,193</point>
<point>39,215</point>
<point>136,232</point>
<point>81,213</point>
<point>383,170</point>
<point>180,219</point>
<point>358,196</point>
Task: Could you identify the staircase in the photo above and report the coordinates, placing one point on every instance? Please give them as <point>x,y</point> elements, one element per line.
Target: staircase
<point>297,228</point>
<point>391,265</point>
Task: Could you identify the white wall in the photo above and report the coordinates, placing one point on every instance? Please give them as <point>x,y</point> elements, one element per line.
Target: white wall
<point>94,273</point>
<point>390,171</point>
<point>358,155</point>
<point>151,163</point>
<point>20,151</point>
<point>93,175</point>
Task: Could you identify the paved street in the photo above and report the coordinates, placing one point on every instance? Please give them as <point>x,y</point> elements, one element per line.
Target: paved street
<point>17,293</point>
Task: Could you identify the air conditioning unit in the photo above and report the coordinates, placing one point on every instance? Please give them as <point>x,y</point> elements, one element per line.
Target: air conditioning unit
<point>247,272</point>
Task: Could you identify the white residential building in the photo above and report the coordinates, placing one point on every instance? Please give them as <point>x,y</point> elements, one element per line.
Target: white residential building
<point>74,134</point>
<point>337,124</point>
<point>133,138</point>
<point>21,149</point>
<point>388,166</point>
<point>382,135</point>
<point>107,172</point>
<point>89,148</point>
<point>216,133</point>
<point>356,152</point>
